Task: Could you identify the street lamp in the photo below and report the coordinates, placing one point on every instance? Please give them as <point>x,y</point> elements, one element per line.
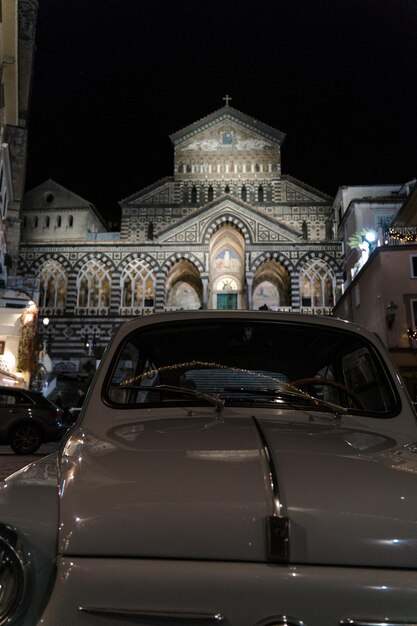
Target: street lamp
<point>45,323</point>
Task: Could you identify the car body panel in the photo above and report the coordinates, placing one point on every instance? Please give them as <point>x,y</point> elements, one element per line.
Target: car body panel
<point>184,477</point>
<point>350,493</point>
<point>125,591</point>
<point>29,503</point>
<point>159,513</point>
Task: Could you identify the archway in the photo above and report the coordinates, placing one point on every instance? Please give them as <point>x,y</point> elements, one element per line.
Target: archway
<point>184,287</point>
<point>227,264</point>
<point>271,286</point>
<point>317,284</point>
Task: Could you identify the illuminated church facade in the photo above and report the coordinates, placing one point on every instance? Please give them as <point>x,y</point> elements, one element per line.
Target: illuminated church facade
<point>228,230</point>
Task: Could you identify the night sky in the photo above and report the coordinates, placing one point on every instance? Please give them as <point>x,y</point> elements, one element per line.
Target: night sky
<point>114,78</point>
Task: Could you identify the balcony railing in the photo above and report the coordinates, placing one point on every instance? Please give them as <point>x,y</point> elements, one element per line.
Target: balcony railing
<point>400,235</point>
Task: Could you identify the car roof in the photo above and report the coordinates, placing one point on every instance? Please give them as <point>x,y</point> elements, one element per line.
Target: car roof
<point>206,314</point>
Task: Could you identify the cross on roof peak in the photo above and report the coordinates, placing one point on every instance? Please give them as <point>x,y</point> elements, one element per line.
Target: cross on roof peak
<point>227,98</point>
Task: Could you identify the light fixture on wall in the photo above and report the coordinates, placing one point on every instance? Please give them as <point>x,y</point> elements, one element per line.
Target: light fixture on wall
<point>46,334</point>
<point>390,313</point>
<point>412,333</point>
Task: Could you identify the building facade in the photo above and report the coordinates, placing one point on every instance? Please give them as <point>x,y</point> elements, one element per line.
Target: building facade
<point>17,39</point>
<point>227,230</point>
<point>379,227</point>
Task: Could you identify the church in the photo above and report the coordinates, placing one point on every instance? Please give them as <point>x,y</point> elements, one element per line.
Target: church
<point>226,230</point>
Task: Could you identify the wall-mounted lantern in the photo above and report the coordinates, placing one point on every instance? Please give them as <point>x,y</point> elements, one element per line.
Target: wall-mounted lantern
<point>390,313</point>
<point>87,342</point>
<point>46,334</point>
<point>412,333</point>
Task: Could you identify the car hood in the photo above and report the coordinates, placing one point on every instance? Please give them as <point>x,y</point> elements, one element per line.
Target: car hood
<point>198,486</point>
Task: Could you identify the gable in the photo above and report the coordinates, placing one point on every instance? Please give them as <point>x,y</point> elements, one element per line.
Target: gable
<point>159,194</point>
<point>256,227</point>
<point>51,194</point>
<point>228,115</point>
<point>224,137</point>
<point>294,190</point>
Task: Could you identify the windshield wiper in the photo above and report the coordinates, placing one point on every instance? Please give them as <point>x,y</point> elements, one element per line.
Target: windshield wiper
<point>293,393</point>
<point>214,399</point>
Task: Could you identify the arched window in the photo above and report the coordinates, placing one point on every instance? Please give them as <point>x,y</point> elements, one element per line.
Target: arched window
<point>185,194</point>
<point>194,194</point>
<point>260,193</point>
<point>227,189</point>
<point>35,222</point>
<point>317,284</point>
<point>47,221</point>
<point>52,285</point>
<point>244,193</point>
<point>257,167</point>
<point>93,285</point>
<point>210,194</point>
<point>137,284</point>
<point>58,221</point>
<point>70,221</point>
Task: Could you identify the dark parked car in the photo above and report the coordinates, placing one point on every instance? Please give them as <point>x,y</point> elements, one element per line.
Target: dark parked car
<point>28,419</point>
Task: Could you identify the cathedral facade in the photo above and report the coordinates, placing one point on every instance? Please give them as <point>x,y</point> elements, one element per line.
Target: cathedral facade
<point>227,230</point>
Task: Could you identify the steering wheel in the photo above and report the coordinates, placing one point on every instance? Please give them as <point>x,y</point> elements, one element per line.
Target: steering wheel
<point>300,382</point>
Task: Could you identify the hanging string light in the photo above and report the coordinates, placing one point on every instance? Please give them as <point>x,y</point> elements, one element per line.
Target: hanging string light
<point>398,236</point>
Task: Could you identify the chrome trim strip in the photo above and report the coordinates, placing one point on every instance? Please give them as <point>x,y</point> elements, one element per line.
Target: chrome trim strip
<point>281,620</point>
<point>278,526</point>
<point>161,616</point>
<point>277,506</point>
<point>361,622</point>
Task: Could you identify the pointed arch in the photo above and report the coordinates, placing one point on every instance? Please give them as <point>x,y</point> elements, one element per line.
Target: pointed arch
<point>53,285</point>
<point>137,286</point>
<point>260,193</point>
<point>93,286</point>
<point>227,268</point>
<point>184,287</point>
<point>317,284</point>
<point>227,217</point>
<point>271,286</point>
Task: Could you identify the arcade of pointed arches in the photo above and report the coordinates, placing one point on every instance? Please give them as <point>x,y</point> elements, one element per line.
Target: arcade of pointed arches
<point>226,283</point>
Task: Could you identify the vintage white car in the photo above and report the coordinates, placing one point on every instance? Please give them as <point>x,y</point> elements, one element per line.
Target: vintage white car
<point>236,468</point>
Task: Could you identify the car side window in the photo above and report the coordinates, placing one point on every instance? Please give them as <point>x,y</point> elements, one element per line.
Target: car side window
<point>7,398</point>
<point>363,378</point>
<point>133,370</point>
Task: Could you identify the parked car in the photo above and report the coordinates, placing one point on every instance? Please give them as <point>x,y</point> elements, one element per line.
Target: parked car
<point>236,468</point>
<point>28,419</point>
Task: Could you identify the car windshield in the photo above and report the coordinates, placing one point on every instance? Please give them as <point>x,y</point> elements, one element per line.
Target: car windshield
<point>250,362</point>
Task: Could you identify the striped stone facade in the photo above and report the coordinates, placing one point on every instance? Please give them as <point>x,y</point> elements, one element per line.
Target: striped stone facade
<point>227,230</point>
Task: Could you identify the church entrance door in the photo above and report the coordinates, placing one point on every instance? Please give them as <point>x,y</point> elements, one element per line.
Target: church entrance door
<point>227,301</point>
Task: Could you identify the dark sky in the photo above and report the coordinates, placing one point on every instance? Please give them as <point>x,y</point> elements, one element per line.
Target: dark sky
<point>114,78</point>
